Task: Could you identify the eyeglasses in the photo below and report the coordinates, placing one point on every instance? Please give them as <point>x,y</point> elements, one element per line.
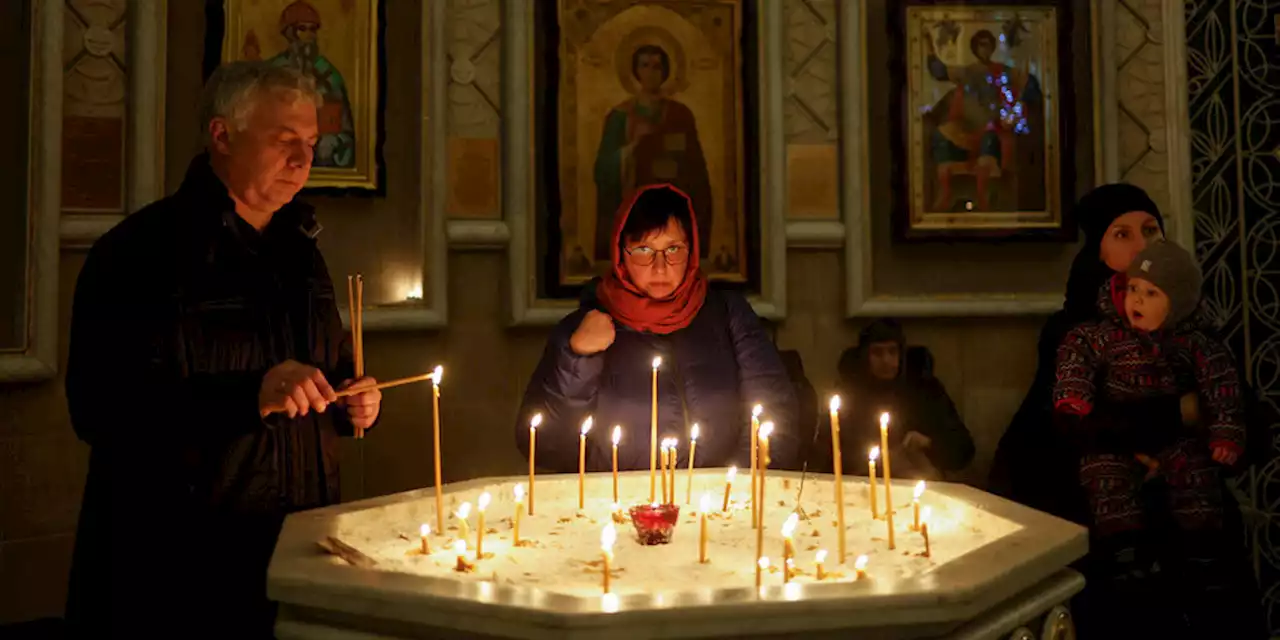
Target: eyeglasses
<point>675,254</point>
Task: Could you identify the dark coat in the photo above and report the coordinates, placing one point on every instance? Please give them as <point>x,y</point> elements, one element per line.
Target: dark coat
<point>179,311</point>
<point>712,372</point>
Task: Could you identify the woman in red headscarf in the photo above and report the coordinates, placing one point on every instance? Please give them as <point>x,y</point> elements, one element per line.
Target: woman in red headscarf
<point>717,359</point>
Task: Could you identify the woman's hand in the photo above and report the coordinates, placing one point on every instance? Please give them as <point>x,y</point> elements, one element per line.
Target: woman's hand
<point>594,334</point>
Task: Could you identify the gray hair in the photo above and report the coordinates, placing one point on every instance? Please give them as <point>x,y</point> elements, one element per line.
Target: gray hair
<point>235,87</point>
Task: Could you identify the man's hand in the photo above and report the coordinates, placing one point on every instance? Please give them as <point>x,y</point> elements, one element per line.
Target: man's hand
<point>916,440</point>
<point>363,407</point>
<point>594,334</point>
<point>1224,454</point>
<point>295,389</point>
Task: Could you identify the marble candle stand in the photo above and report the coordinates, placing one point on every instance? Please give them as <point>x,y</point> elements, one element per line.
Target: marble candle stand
<point>998,568</point>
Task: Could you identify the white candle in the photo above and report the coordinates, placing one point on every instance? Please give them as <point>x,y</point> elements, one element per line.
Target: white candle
<point>582,461</point>
<point>915,506</point>
<point>460,548</point>
<point>533,449</point>
<point>728,485</point>
<point>436,376</point>
<point>607,538</point>
<point>481,505</point>
<point>693,449</point>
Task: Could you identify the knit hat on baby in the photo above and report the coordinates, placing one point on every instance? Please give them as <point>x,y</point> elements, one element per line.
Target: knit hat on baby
<point>1174,270</point>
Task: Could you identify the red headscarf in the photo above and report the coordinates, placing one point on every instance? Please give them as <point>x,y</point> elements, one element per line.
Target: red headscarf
<point>627,304</point>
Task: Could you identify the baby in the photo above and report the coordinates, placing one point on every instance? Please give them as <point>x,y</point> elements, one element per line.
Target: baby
<point>1114,380</point>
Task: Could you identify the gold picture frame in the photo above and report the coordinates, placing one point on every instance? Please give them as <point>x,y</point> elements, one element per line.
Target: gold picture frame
<point>982,123</point>
<point>693,138</point>
<point>337,41</point>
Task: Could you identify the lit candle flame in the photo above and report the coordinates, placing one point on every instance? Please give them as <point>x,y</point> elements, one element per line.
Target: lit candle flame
<point>537,420</point>
<point>607,537</point>
<point>657,362</point>
<point>586,425</point>
<point>884,421</point>
<point>460,547</point>
<point>424,530</point>
<point>875,453</point>
<point>835,404</point>
<point>617,507</point>
<point>789,527</point>
<point>437,375</point>
<point>733,471</point>
<point>821,556</point>
<point>919,489</point>
<point>704,505</point>
<point>766,430</point>
<point>861,563</point>
<point>693,433</point>
<point>483,503</point>
<point>519,493</point>
<point>756,411</point>
<point>763,562</point>
<point>617,434</point>
<point>464,510</point>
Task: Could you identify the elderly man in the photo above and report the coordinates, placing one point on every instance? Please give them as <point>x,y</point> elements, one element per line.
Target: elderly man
<point>204,340</point>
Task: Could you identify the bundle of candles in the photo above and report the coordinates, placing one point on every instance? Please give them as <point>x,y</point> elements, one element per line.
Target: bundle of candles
<point>655,519</point>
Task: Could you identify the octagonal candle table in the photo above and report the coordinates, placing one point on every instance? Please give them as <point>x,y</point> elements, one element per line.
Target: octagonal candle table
<point>994,569</point>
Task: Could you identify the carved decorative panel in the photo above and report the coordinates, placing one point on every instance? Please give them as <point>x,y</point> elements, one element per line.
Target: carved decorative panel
<point>810,108</point>
<point>474,59</point>
<point>1140,93</point>
<point>94,88</point>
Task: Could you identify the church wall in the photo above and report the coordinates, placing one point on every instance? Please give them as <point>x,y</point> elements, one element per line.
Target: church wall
<point>985,363</point>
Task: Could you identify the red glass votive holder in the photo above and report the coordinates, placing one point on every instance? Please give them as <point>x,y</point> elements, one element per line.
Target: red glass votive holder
<point>655,523</point>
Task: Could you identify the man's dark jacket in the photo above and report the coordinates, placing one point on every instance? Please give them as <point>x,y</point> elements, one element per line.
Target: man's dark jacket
<point>179,312</point>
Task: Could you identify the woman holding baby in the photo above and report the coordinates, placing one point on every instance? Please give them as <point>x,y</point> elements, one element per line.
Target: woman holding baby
<point>1135,415</point>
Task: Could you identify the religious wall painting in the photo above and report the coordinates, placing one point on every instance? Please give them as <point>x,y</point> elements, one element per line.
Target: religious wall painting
<point>648,93</point>
<point>980,123</point>
<point>93,119</point>
<point>336,42</point>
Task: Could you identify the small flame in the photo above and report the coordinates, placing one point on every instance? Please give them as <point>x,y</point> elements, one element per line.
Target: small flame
<point>834,404</point>
<point>424,530</point>
<point>763,562</point>
<point>756,411</point>
<point>861,563</point>
<point>537,420</point>
<point>919,489</point>
<point>657,362</point>
<point>607,537</point>
<point>693,433</point>
<point>484,501</point>
<point>586,425</point>
<point>884,421</point>
<point>766,430</point>
<point>875,454</point>
<point>437,375</point>
<point>617,434</point>
<point>704,505</point>
<point>733,471</point>
<point>789,527</point>
<point>617,507</point>
<point>821,556</point>
<point>464,510</point>
<point>520,493</point>
<point>460,547</point>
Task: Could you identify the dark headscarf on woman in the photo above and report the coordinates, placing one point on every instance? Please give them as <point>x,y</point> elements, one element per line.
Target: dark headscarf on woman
<point>1028,466</point>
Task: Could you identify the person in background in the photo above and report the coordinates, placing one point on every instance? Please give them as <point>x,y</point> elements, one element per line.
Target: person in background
<point>927,438</point>
<point>205,344</point>
<point>717,359</point>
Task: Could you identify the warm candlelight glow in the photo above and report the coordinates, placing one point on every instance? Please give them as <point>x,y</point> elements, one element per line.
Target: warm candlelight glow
<point>693,451</point>
<point>733,472</point>
<point>425,532</point>
<point>821,556</point>
<point>464,510</point>
<point>533,450</point>
<point>617,434</point>
<point>789,526</point>
<point>693,433</point>
<point>536,421</point>
<point>924,515</point>
<point>483,502</point>
<point>875,454</point>
<point>884,420</point>
<point>888,478</point>
<point>704,505</point>
<point>834,405</point>
<point>788,545</point>
<point>657,362</point>
<point>586,425</point>
<point>766,430</point>
<point>820,559</point>
<point>460,548</point>
<point>607,537</point>
<point>860,566</point>
<point>837,464</point>
<point>756,411</point>
<point>437,375</point>
<point>582,462</point>
<point>915,506</point>
<point>728,486</point>
<point>519,493</point>
<point>919,490</point>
